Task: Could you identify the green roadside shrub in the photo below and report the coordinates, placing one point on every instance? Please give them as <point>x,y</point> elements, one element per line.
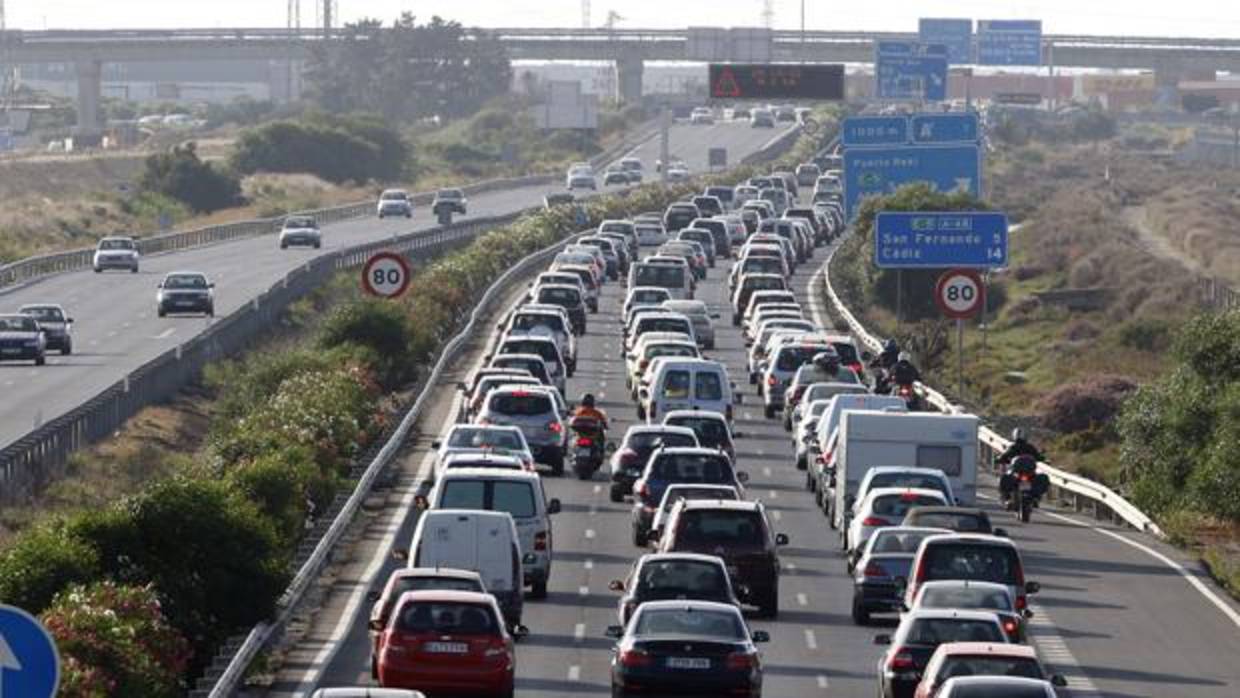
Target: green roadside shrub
<point>114,641</point>
<point>179,174</point>
<point>378,325</point>
<point>39,562</point>
<point>284,486</point>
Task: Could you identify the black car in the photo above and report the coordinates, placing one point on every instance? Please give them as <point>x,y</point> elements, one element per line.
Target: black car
<point>679,216</point>
<point>686,648</point>
<point>708,205</point>
<point>628,462</point>
<point>677,465</point>
<point>568,298</point>
<point>55,325</point>
<point>673,577</point>
<point>451,200</point>
<point>880,574</point>
<point>702,237</point>
<point>21,339</point>
<point>719,232</point>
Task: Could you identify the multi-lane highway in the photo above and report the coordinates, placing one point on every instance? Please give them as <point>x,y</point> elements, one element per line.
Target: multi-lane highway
<point>117,329</point>
<point>1119,614</point>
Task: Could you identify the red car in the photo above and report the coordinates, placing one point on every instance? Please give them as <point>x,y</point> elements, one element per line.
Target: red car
<point>448,642</point>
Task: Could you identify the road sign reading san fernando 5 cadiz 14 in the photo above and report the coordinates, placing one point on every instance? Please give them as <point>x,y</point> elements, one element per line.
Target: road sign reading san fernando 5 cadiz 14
<point>777,81</point>
<point>911,240</point>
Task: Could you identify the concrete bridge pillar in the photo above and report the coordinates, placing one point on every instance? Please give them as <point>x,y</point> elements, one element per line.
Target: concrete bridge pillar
<point>89,95</point>
<point>629,79</point>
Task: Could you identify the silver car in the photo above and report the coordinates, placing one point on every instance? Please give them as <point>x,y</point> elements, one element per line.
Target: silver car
<point>116,253</point>
<point>56,325</point>
<point>300,230</point>
<point>395,202</point>
<point>185,292</point>
<point>700,316</point>
<point>536,414</point>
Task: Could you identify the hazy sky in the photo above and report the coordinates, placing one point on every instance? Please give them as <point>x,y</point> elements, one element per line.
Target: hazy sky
<point>1219,18</point>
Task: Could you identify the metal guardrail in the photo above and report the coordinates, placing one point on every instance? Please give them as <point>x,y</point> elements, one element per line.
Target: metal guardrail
<point>1077,490</point>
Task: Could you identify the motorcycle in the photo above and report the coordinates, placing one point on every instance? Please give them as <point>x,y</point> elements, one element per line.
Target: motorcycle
<point>906,392</point>
<point>1024,487</point>
<point>588,446</point>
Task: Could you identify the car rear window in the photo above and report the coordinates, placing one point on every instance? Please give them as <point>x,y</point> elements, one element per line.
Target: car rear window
<point>897,505</point>
<point>661,275</point>
<point>664,324</point>
<point>764,283</point>
<point>721,527</point>
<point>559,296</point>
<point>695,622</point>
<point>546,350</point>
<point>763,265</point>
<point>651,296</point>
<point>648,440</point>
<point>899,541</point>
<point>707,386</point>
<point>710,432</point>
<point>989,665</point>
<point>684,467</point>
<point>910,480</point>
<point>530,321</point>
<point>672,579</point>
<point>963,522</point>
<point>971,562</point>
<point>447,618</point>
<point>936,631</point>
<point>966,598</point>
<point>518,405</point>
<point>986,691</point>
<point>792,358</point>
<point>483,437</point>
<point>516,498</point>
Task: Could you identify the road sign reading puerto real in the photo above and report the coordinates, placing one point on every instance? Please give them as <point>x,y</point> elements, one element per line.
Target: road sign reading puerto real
<point>29,662</point>
<point>911,240</point>
<point>386,275</point>
<point>960,293</point>
<point>870,171</point>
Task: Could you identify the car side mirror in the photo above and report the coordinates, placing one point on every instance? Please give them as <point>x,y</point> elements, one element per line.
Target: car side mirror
<point>460,385</point>
<point>421,502</point>
<point>614,631</point>
<point>742,476</point>
<point>761,636</point>
<point>402,555</point>
<point>529,559</point>
<point>553,507</point>
<point>376,625</point>
<point>520,632</point>
<point>69,321</point>
<point>738,434</point>
<point>715,316</point>
<point>1032,587</point>
<point>882,639</point>
<point>436,444</point>
<point>1000,533</point>
<point>1027,614</point>
<point>616,585</point>
<point>372,596</point>
<point>610,448</point>
<point>781,539</point>
<point>1059,681</point>
<point>211,285</point>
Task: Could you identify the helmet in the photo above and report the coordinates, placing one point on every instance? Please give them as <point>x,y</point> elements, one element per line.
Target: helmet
<point>1018,434</point>
<point>587,400</point>
<point>827,358</point>
<point>905,356</point>
<point>890,346</point>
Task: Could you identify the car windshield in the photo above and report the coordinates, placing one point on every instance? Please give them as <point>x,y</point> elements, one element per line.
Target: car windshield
<point>559,296</point>
<point>898,541</point>
<point>989,665</point>
<point>116,244</point>
<point>650,296</point>
<point>964,522</point>
<point>710,432</point>
<point>707,386</point>
<point>966,561</point>
<point>483,437</point>
<point>450,194</point>
<point>300,222</point>
<point>936,631</point>
<point>520,404</point>
<point>662,275</point>
<point>447,618</point>
<point>44,313</point>
<point>623,228</point>
<point>764,283</point>
<point>689,621</point>
<point>675,578</point>
<point>686,467</point>
<point>967,597</point>
<point>722,527</point>
<point>648,440</point>
<point>394,196</point>
<point>18,323</point>
<point>185,281</point>
<point>529,321</point>
<point>897,505</point>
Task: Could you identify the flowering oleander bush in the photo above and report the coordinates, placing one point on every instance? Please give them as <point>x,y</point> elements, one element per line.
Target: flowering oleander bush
<point>114,641</point>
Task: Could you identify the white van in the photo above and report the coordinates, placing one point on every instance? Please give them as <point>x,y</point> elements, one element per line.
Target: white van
<point>685,384</point>
<point>517,493</point>
<point>481,541</point>
<point>869,438</point>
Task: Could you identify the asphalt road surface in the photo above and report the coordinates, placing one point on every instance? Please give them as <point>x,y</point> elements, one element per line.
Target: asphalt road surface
<point>1113,617</point>
<point>117,330</point>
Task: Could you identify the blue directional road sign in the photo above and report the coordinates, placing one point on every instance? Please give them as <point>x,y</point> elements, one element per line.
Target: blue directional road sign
<point>954,127</point>
<point>29,663</point>
<point>869,171</point>
<point>955,34</point>
<point>874,130</point>
<point>910,70</point>
<point>1009,42</point>
<point>958,239</point>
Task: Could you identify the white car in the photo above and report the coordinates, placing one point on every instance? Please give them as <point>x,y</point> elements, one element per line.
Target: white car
<point>302,231</point>
<point>474,439</point>
<point>643,296</point>
<point>885,506</point>
<point>677,174</point>
<point>650,234</point>
<point>395,202</point>
<point>115,252</point>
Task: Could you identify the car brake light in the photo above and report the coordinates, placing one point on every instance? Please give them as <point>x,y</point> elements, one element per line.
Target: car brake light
<point>875,570</point>
<point>874,521</point>
<point>1026,477</point>
<point>771,380</point>
<point>555,427</point>
<point>1021,602</point>
<point>540,540</point>
<point>643,363</point>
<point>628,457</point>
<point>908,497</point>
<point>741,661</point>
<point>635,658</point>
<point>585,441</point>
<point>1009,627</point>
<point>642,491</point>
<point>495,651</point>
<point>901,660</point>
<point>520,393</point>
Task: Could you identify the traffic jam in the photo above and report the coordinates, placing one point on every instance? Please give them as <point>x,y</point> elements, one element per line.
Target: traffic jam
<point>701,313</point>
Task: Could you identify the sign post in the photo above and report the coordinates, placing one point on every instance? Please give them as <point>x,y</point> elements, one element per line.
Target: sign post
<point>386,275</point>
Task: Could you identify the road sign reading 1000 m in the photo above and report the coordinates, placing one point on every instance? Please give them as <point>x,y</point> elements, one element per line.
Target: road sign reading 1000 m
<point>776,81</point>
<point>385,274</point>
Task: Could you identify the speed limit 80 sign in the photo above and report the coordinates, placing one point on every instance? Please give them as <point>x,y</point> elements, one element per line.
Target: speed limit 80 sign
<point>385,274</point>
<point>960,293</point>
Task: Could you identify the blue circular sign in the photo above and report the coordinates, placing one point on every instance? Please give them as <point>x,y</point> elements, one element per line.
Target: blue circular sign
<point>29,663</point>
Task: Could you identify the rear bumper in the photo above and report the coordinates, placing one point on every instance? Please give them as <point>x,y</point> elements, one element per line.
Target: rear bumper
<point>878,597</point>
<point>22,353</point>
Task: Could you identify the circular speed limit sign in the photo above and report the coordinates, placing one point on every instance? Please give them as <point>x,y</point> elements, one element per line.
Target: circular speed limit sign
<point>959,293</point>
<point>385,274</point>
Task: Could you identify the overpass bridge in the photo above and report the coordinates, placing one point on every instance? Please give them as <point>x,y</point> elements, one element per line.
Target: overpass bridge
<point>1172,59</point>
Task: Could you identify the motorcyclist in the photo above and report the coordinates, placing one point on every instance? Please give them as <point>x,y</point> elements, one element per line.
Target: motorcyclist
<point>882,365</point>
<point>587,410</point>
<point>827,362</point>
<point>1023,457</point>
<point>904,372</point>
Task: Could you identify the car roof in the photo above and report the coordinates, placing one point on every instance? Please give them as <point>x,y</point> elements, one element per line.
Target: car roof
<point>185,273</point>
<point>660,429</point>
<point>688,604</point>
<point>960,583</point>
<point>730,504</point>
<point>31,306</point>
<point>486,474</point>
<point>997,681</point>
<point>971,511</point>
<point>445,572</point>
<point>481,455</point>
<point>701,414</point>
<point>446,595</point>
<point>970,539</point>
<point>688,557</point>
<point>527,357</point>
<point>366,692</point>
<point>1002,649</point>
<point>901,491</point>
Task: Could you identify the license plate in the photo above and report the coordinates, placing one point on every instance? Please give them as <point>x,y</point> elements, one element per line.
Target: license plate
<point>688,663</point>
<point>583,451</point>
<point>1025,485</point>
<point>446,647</point>
<point>10,351</point>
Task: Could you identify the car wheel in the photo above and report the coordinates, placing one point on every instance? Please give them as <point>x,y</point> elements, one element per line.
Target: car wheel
<point>557,464</point>
<point>802,465</point>
<point>616,495</point>
<point>211,311</point>
<point>40,360</point>
<point>617,692</point>
<point>787,424</point>
<point>829,511</point>
<point>710,344</point>
<point>374,668</point>
<point>318,245</point>
<point>161,312</point>
<point>380,216</point>
<point>134,270</point>
<point>98,270</point>
<point>639,538</point>
<point>770,605</point>
<point>769,411</point>
<point>641,412</point>
<point>736,320</point>
<point>67,349</point>
<point>860,616</point>
<point>539,590</point>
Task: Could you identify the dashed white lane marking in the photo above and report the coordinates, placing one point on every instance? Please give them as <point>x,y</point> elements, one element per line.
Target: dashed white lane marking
<point>766,471</point>
<point>162,335</point>
<point>598,488</point>
<point>1054,650</point>
<point>811,640</point>
<point>775,514</point>
<point>583,591</point>
<point>93,342</point>
<point>772,494</point>
<point>588,564</point>
<point>792,566</point>
<point>112,333</point>
<point>802,600</point>
<point>590,533</point>
<point>579,632</point>
<point>822,682</point>
<point>574,673</point>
